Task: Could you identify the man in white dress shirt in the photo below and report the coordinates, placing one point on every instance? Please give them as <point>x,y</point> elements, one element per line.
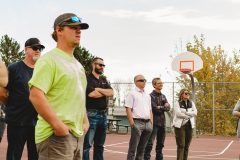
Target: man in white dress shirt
<point>139,113</point>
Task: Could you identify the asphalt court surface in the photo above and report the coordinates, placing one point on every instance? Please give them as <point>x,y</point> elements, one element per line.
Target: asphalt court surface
<point>202,148</point>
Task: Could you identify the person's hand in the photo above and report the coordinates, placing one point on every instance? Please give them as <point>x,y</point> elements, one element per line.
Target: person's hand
<point>132,124</point>
<point>61,129</point>
<point>85,127</point>
<point>167,105</point>
<point>183,110</point>
<point>160,107</point>
<point>98,89</point>
<point>3,94</point>
<point>151,123</point>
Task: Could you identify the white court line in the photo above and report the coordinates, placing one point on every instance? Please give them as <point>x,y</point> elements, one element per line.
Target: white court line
<point>210,158</point>
<point>190,150</point>
<point>220,152</point>
<point>115,144</point>
<point>203,152</point>
<point>197,156</point>
<point>210,139</point>
<point>107,150</point>
<point>193,157</point>
<point>119,146</point>
<point>227,147</point>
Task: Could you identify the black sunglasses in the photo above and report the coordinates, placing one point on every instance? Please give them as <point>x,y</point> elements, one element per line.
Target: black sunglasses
<point>186,93</point>
<point>36,48</point>
<point>101,65</point>
<point>141,80</point>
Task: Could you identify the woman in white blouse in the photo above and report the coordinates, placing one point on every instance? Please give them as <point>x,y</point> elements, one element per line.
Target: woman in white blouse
<point>183,123</point>
<point>236,113</point>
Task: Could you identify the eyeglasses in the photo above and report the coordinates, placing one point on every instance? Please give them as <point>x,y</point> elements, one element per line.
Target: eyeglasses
<point>186,93</point>
<point>36,48</point>
<point>141,80</point>
<point>73,19</point>
<point>101,65</point>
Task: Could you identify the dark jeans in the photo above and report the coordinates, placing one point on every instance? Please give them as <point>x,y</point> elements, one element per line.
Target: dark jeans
<point>183,139</point>
<point>138,141</point>
<point>160,133</point>
<point>17,137</point>
<point>96,134</point>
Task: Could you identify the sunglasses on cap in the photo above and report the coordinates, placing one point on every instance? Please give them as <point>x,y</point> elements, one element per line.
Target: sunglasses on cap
<point>72,19</point>
<point>101,65</point>
<point>36,48</point>
<point>141,80</point>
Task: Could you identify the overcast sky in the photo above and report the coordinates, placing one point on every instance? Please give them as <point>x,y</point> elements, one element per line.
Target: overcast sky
<point>132,36</point>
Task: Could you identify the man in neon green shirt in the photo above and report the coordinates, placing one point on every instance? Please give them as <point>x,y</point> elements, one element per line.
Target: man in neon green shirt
<point>57,91</point>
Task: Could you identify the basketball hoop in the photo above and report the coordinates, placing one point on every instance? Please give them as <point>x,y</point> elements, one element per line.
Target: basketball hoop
<point>185,70</point>
<point>187,63</point>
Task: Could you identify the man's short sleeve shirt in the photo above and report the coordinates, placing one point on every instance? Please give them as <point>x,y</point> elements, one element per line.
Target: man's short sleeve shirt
<point>92,83</point>
<point>62,78</point>
<point>140,102</point>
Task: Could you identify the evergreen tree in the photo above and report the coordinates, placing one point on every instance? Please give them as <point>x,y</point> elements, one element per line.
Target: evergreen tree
<point>10,50</point>
<point>84,57</point>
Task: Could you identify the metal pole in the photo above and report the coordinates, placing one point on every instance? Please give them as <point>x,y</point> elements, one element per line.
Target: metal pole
<point>193,87</point>
<point>213,108</point>
<point>173,95</point>
<point>171,117</point>
<point>193,98</point>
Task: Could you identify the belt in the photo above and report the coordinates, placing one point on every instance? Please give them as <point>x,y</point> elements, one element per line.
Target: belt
<point>96,110</point>
<point>143,120</point>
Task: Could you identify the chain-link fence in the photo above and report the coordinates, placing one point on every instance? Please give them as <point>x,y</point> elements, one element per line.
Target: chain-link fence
<point>214,101</point>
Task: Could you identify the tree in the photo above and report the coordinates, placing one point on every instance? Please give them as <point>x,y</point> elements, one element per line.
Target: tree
<point>84,57</point>
<point>218,70</point>
<point>10,50</point>
<point>117,87</point>
<point>121,89</point>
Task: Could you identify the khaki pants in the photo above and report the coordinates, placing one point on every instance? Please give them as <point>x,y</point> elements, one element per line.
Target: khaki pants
<point>61,148</point>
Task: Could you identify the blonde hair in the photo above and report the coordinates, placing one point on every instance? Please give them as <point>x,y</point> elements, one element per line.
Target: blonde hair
<point>181,93</point>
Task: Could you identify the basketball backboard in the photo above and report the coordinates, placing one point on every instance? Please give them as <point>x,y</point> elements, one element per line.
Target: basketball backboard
<point>187,62</point>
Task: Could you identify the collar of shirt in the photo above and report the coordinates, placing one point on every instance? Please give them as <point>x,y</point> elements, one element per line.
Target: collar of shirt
<point>91,75</point>
<point>156,93</point>
<point>139,90</point>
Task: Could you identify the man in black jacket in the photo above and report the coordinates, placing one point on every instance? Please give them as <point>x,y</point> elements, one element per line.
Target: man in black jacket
<point>159,106</point>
